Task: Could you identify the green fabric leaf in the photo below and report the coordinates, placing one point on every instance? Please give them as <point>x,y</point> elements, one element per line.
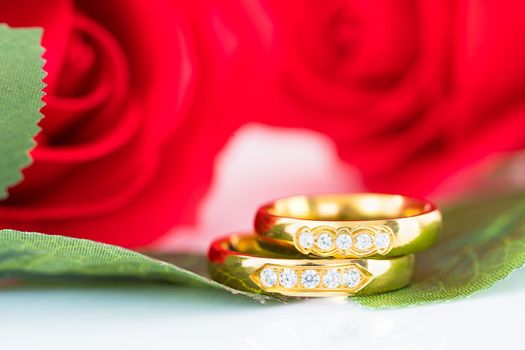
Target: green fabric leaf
<point>36,256</point>
<point>21,94</point>
<point>482,243</point>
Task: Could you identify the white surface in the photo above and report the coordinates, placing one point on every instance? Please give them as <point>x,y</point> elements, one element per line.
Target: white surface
<point>164,317</point>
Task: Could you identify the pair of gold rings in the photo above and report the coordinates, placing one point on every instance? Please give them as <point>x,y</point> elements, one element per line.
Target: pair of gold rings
<point>328,245</point>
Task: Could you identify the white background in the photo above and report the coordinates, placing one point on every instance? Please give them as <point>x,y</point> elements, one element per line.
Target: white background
<point>259,164</point>
<point>165,317</point>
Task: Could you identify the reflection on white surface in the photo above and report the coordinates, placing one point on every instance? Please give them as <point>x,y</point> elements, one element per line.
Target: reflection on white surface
<point>167,317</point>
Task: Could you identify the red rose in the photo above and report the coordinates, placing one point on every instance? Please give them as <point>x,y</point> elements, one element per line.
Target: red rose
<point>141,97</point>
<point>131,125</point>
<point>410,91</point>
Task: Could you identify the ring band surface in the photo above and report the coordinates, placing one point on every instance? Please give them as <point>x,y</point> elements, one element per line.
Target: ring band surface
<point>349,225</point>
<point>239,262</point>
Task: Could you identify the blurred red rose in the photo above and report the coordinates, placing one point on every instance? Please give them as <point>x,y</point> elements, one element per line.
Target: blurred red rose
<point>130,128</point>
<point>142,96</point>
<point>411,91</point>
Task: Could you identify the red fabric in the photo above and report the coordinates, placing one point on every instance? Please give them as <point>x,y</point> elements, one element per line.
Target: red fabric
<point>141,96</point>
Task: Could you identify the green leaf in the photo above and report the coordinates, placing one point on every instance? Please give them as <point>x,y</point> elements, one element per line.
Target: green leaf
<point>36,256</point>
<point>483,242</point>
<point>21,94</point>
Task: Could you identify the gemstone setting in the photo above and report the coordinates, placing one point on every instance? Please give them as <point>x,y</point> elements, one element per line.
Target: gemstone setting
<point>288,278</point>
<point>351,277</point>
<point>306,239</point>
<point>337,278</point>
<point>310,279</point>
<point>363,241</point>
<point>382,240</point>
<point>325,241</point>
<point>332,279</point>
<point>268,277</point>
<point>343,241</point>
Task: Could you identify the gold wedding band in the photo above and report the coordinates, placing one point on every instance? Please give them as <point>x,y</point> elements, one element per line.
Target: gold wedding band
<point>328,245</point>
<point>348,225</point>
<point>239,262</point>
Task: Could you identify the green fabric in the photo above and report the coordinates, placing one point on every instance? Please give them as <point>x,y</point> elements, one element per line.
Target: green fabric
<point>483,242</point>
<point>21,94</point>
<point>36,256</point>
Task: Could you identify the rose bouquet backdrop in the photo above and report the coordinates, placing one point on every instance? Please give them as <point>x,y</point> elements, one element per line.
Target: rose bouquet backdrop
<point>141,97</point>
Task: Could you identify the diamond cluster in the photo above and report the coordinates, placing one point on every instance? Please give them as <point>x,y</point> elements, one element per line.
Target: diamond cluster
<point>313,278</point>
<point>343,241</point>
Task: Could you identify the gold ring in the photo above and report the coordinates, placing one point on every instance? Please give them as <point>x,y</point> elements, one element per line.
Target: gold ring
<point>239,262</point>
<point>349,225</point>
